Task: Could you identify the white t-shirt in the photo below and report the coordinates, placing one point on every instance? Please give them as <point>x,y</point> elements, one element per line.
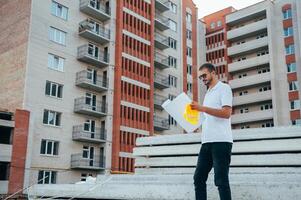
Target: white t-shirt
<point>216,129</point>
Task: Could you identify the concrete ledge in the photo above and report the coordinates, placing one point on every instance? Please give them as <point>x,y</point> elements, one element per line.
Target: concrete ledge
<point>246,184</point>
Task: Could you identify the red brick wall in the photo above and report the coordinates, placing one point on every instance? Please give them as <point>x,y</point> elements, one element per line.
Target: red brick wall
<point>20,137</point>
<point>214,17</point>
<point>216,39</point>
<point>295,114</point>
<point>123,115</point>
<point>15,18</point>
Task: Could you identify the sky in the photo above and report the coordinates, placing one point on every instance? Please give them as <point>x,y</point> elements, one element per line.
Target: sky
<point>206,7</point>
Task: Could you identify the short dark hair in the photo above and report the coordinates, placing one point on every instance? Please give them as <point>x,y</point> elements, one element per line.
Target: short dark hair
<point>209,66</point>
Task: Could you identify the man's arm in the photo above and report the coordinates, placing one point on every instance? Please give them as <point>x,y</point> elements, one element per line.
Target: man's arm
<point>225,112</point>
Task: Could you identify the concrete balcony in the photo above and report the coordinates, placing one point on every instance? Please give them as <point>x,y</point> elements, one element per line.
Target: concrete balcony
<point>161,5</point>
<point>98,83</point>
<point>99,135</point>
<point>100,109</point>
<point>4,187</point>
<point>78,162</point>
<point>247,13</point>
<point>161,61</point>
<point>6,152</point>
<point>161,124</point>
<point>85,54</point>
<point>161,22</point>
<point>96,10</point>
<point>250,80</point>
<point>252,116</point>
<point>250,46</point>
<point>249,63</point>
<point>247,30</point>
<point>158,101</point>
<point>252,98</point>
<point>161,41</point>
<point>161,81</point>
<point>87,30</point>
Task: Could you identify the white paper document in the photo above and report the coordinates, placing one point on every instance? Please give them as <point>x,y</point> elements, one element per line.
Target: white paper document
<point>180,110</point>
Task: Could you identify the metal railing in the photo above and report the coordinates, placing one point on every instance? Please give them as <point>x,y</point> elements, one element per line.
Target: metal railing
<point>85,50</point>
<point>165,2</point>
<point>97,6</point>
<point>80,104</point>
<point>161,122</point>
<point>77,160</point>
<point>159,100</point>
<point>161,38</point>
<point>87,25</point>
<point>161,79</point>
<point>98,134</point>
<point>100,81</point>
<point>160,58</point>
<point>164,20</point>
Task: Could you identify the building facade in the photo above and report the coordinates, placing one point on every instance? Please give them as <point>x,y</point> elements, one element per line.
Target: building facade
<point>261,54</point>
<point>93,75</point>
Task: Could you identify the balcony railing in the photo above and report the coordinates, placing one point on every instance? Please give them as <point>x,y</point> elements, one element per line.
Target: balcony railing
<point>79,162</point>
<point>98,109</point>
<point>161,61</point>
<point>161,124</point>
<point>95,9</point>
<point>100,34</point>
<point>79,133</point>
<point>162,5</point>
<point>86,53</point>
<point>86,80</point>
<point>161,22</point>
<point>161,81</point>
<point>161,41</point>
<point>159,100</point>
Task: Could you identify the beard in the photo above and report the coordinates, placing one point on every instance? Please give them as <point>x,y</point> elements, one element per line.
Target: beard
<point>207,82</point>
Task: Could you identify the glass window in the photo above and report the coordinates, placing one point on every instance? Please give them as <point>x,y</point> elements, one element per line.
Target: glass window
<point>49,147</point>
<point>172,81</point>
<point>290,49</point>
<point>172,7</point>
<point>172,25</point>
<point>172,62</point>
<point>53,89</point>
<point>295,105</point>
<point>287,14</point>
<point>56,62</point>
<point>189,34</point>
<point>189,87</point>
<point>52,118</point>
<point>291,67</point>
<point>296,122</point>
<point>47,177</point>
<point>189,52</point>
<point>57,36</point>
<point>172,43</point>
<point>288,31</point>
<point>189,69</point>
<point>188,18</point>
<point>59,10</point>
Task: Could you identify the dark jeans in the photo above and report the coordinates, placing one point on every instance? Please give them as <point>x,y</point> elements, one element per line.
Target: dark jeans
<point>218,156</point>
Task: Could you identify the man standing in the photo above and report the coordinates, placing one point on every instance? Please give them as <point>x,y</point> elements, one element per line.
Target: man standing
<point>216,135</point>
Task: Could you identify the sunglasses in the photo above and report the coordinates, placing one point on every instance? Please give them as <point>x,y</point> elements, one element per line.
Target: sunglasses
<point>202,76</point>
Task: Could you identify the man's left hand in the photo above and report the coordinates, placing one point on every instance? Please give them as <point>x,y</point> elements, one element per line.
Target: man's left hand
<point>195,106</point>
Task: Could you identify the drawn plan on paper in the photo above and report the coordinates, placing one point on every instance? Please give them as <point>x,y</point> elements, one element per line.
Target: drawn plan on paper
<point>179,109</point>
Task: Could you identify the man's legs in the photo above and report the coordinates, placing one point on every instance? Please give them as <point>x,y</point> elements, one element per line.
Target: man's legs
<point>204,165</point>
<point>221,154</point>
